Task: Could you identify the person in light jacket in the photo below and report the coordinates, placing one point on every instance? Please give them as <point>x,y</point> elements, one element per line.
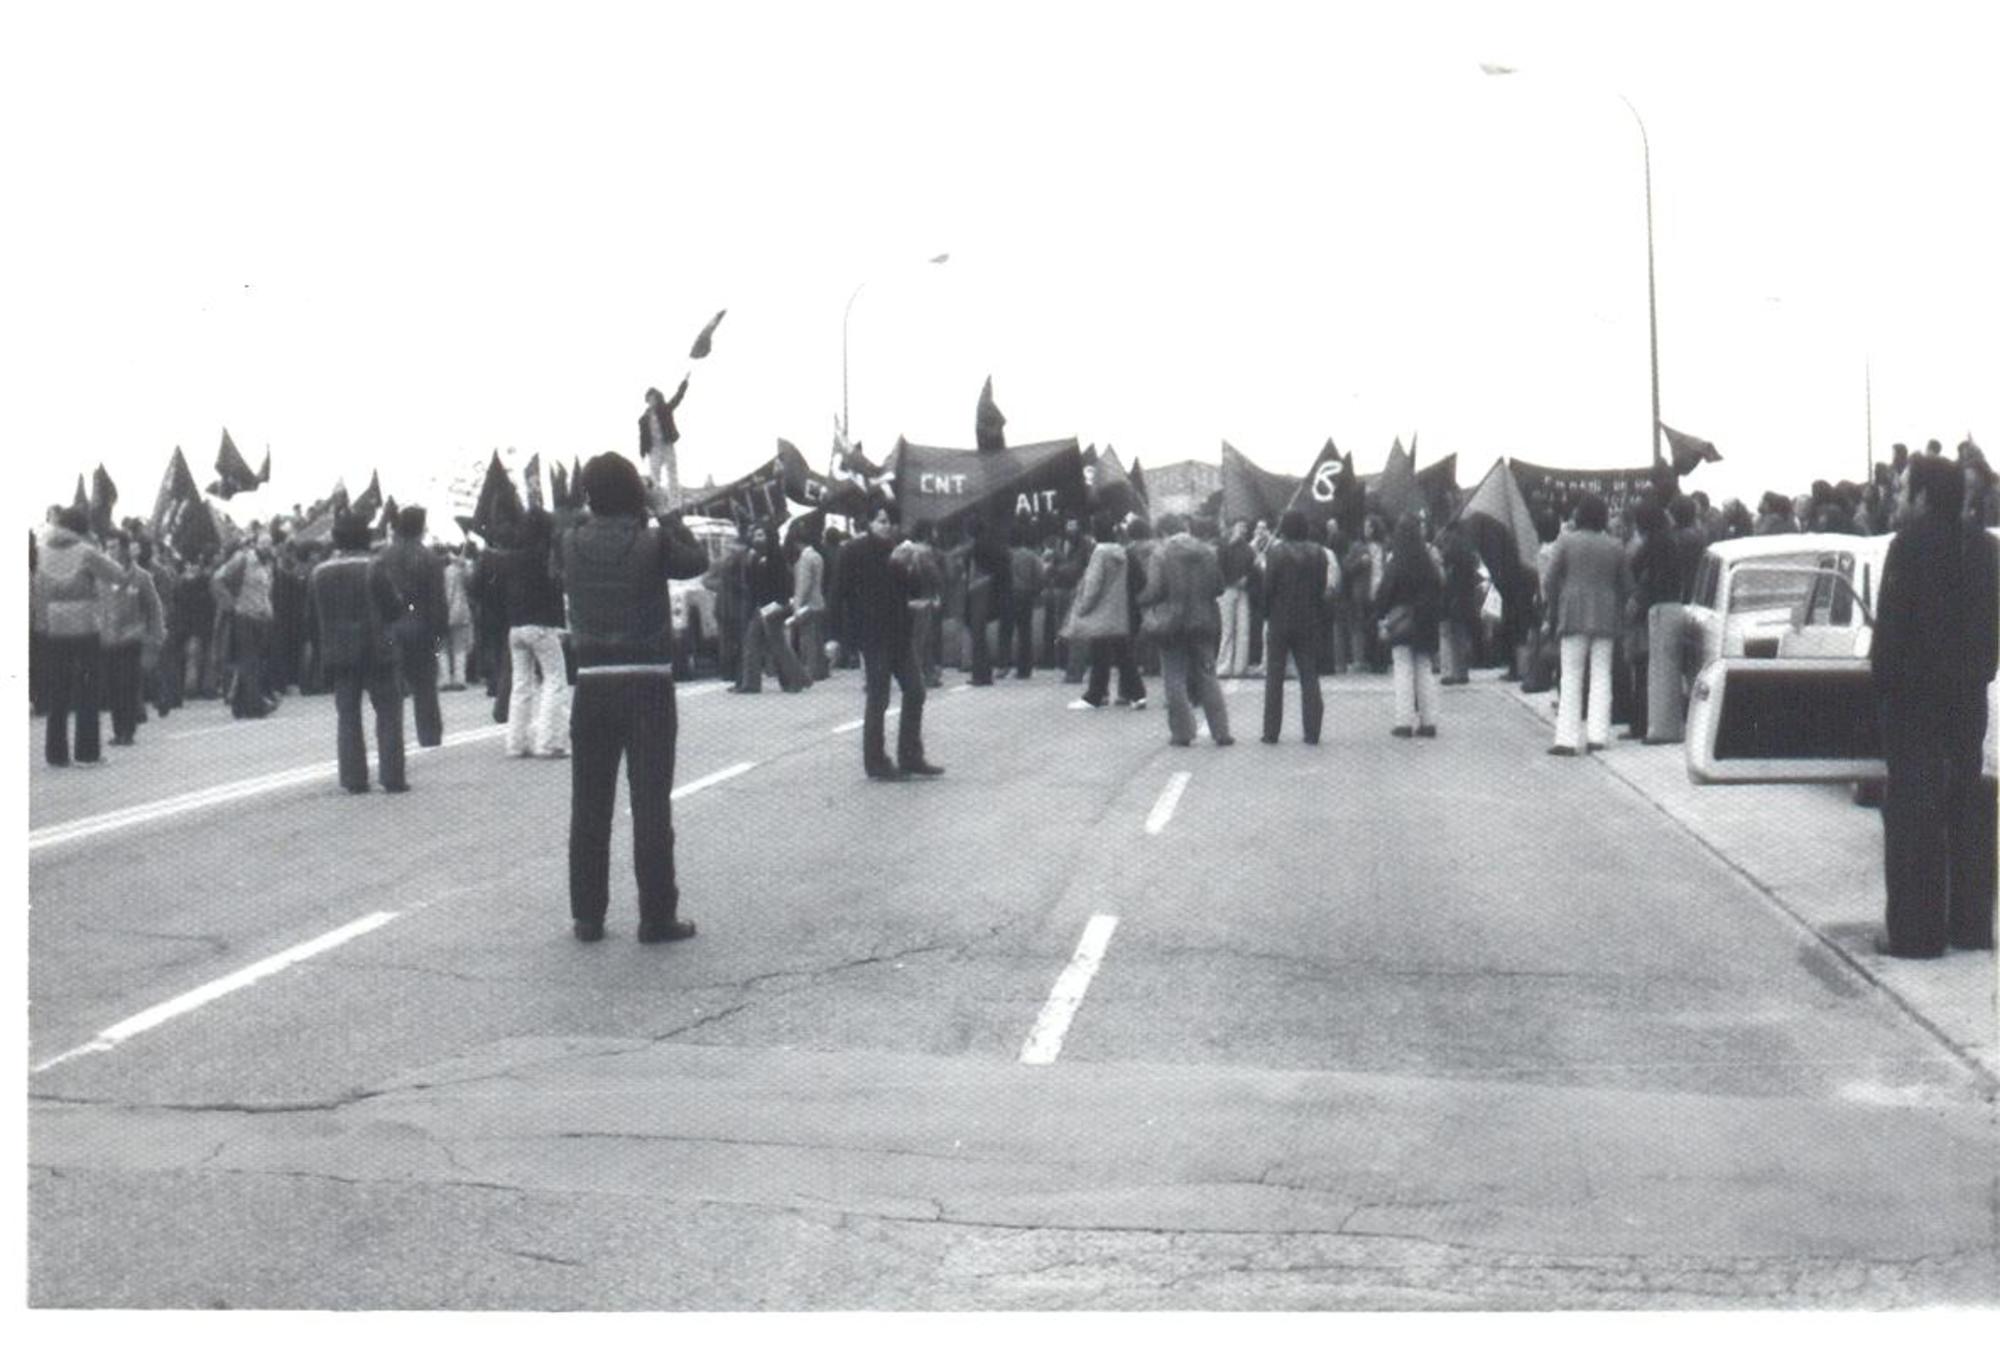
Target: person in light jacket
<point>70,575</point>
<point>1587,583</point>
<point>1101,616</point>
<point>808,633</point>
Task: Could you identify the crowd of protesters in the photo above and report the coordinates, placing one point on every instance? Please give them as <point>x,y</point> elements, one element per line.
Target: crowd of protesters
<point>122,623</point>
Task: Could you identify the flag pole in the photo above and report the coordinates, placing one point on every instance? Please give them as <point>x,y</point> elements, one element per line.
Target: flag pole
<point>1868,404</point>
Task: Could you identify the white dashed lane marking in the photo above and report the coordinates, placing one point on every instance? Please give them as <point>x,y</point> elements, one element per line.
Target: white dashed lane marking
<point>1045,1040</point>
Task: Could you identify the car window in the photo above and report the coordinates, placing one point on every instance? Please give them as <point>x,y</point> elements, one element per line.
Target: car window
<point>1704,586</point>
<point>1832,603</point>
<point>1751,588</point>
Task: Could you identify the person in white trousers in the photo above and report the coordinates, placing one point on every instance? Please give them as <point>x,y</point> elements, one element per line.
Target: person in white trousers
<point>1588,582</point>
<point>538,704</point>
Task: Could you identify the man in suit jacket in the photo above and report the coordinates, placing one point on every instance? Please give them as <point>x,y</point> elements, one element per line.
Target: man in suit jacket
<point>1294,592</point>
<point>357,606</point>
<point>1178,604</point>
<point>419,577</point>
<point>876,587</point>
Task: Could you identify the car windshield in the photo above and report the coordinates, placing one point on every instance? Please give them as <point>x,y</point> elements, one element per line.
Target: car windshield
<point>1752,588</point>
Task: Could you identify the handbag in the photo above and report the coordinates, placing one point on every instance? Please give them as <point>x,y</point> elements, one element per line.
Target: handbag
<point>1399,625</point>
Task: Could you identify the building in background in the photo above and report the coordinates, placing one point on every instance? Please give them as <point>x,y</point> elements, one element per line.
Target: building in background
<point>1182,487</point>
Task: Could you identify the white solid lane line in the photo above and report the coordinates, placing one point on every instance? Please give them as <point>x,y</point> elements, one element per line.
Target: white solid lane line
<point>1170,798</point>
<point>147,812</point>
<point>112,1036</point>
<point>1045,1041</point>
<point>710,780</point>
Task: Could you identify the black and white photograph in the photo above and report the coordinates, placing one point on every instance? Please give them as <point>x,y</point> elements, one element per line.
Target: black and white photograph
<point>910,659</point>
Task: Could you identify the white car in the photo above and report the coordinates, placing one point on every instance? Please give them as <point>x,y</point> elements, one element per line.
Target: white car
<point>1747,592</point>
<point>693,603</point>
<point>1808,713</point>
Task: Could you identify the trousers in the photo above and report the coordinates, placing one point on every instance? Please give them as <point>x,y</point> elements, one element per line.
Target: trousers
<point>538,701</point>
<point>1584,708</point>
<point>1301,646</point>
<point>1937,827</point>
<point>628,716</point>
<point>376,678</point>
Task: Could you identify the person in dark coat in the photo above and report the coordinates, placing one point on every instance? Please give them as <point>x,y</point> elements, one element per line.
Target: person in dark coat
<point>419,577</point>
<point>876,586</point>
<point>1294,597</point>
<point>657,435</point>
<point>1655,581</point>
<point>1936,643</point>
<point>1178,608</point>
<point>1412,582</point>
<point>356,606</point>
<point>1461,603</point>
<point>614,570</point>
<point>767,581</point>
<point>988,589</point>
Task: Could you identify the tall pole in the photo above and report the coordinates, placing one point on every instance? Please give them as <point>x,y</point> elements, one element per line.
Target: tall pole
<point>1868,404</point>
<point>846,315</point>
<point>846,428</point>
<point>1652,294</point>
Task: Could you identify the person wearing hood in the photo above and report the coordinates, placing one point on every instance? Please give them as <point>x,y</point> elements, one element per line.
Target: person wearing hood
<point>133,632</point>
<point>70,577</point>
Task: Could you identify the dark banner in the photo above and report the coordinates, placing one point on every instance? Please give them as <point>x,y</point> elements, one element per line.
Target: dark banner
<point>1251,492</point>
<point>758,496</point>
<point>1042,482</point>
<point>1555,490</point>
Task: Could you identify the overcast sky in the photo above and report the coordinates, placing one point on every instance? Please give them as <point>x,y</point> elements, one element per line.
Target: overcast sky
<point>397,237</point>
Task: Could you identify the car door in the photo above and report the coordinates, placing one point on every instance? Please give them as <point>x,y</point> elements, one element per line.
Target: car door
<point>1806,715</point>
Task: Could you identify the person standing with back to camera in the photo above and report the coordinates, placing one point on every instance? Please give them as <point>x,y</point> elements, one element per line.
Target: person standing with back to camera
<point>614,571</point>
<point>1935,650</point>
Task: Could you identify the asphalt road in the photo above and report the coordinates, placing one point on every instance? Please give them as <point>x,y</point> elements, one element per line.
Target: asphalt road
<point>1377,1024</point>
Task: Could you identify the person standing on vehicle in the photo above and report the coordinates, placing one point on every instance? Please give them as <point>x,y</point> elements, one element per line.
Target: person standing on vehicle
<point>1935,650</point>
<point>614,571</point>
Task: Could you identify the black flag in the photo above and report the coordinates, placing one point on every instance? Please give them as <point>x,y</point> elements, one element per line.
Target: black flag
<point>705,340</point>
<point>989,424</point>
<point>234,472</point>
<point>103,497</point>
<point>1689,451</point>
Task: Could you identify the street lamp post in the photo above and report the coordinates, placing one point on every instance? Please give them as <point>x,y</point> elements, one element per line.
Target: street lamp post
<point>845,315</point>
<point>1652,294</point>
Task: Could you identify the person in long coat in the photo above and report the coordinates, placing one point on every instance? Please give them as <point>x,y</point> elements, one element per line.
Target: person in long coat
<point>1935,650</point>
